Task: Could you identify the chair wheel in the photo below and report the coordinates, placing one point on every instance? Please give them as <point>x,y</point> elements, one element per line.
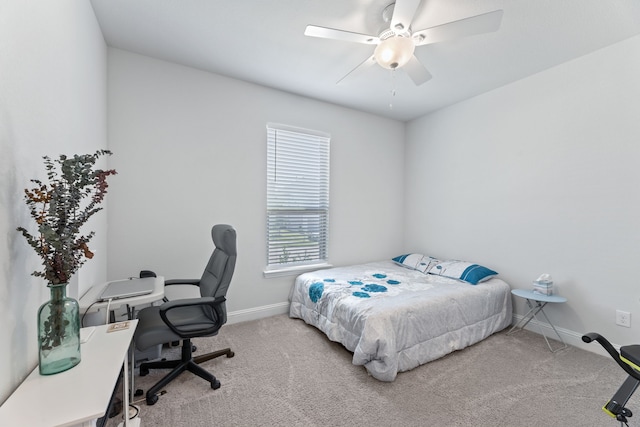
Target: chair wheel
<point>151,400</point>
<point>138,392</point>
<point>144,371</point>
<point>193,348</point>
<point>230,354</point>
<point>215,384</point>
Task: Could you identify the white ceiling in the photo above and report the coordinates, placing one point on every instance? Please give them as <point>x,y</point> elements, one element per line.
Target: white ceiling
<point>263,42</point>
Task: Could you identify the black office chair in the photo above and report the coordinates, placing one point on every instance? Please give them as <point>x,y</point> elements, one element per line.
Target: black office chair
<point>183,319</point>
<point>629,360</point>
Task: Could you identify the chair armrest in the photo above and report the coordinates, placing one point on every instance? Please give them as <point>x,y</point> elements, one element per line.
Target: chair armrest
<point>182,282</point>
<point>188,288</point>
<point>214,303</point>
<point>593,336</point>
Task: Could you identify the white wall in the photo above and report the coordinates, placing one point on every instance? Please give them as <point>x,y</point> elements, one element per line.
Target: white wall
<point>190,151</point>
<point>540,176</point>
<point>52,101</point>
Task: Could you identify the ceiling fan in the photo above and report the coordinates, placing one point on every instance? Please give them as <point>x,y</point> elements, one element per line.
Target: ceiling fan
<point>395,45</point>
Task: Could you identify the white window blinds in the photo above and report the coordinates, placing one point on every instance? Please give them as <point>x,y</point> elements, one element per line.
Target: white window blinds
<point>297,196</point>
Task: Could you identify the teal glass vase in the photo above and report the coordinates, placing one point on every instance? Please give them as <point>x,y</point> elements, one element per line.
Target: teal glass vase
<point>58,332</point>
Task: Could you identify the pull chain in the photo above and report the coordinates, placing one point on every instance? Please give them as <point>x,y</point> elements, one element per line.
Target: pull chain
<point>392,92</point>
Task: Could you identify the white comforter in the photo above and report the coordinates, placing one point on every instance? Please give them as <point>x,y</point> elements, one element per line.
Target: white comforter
<point>394,319</point>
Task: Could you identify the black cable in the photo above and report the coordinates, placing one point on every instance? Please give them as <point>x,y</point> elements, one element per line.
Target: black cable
<point>137,411</point>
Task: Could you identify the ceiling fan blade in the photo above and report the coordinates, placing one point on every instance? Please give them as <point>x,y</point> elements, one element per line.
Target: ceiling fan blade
<point>418,73</point>
<point>403,13</point>
<point>485,23</point>
<point>330,33</point>
<point>362,66</point>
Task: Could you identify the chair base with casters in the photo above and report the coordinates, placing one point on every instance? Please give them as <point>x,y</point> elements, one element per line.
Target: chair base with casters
<point>629,360</point>
<point>204,357</point>
<point>219,353</point>
<point>186,363</point>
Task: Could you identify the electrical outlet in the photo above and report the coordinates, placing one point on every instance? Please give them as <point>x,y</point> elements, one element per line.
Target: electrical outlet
<point>623,318</point>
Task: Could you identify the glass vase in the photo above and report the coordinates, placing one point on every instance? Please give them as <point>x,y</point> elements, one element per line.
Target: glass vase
<point>58,332</point>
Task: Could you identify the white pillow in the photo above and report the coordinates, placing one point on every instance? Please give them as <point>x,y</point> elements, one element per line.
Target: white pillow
<point>462,270</point>
<point>422,263</point>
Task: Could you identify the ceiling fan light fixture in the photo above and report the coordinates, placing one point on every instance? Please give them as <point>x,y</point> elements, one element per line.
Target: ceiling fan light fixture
<point>394,52</point>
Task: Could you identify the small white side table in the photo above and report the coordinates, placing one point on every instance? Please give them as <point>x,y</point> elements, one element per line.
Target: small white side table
<point>536,303</point>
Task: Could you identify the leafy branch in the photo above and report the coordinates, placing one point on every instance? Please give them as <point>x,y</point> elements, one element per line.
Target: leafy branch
<point>60,210</point>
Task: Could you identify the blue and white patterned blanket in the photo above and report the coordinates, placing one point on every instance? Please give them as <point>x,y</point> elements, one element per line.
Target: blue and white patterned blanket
<point>394,319</point>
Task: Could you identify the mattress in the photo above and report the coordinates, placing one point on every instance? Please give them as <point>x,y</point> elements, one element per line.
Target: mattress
<point>393,318</point>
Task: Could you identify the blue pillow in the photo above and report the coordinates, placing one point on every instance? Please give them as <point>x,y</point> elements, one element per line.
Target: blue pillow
<point>462,270</point>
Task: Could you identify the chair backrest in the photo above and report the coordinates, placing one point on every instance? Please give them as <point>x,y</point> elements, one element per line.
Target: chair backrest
<point>219,270</point>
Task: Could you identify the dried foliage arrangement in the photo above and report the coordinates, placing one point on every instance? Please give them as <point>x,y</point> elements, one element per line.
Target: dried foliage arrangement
<point>60,210</point>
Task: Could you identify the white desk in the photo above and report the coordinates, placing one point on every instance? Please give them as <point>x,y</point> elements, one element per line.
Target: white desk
<point>88,302</point>
<point>75,397</point>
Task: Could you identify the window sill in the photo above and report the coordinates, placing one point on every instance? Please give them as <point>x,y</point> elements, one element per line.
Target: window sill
<point>294,271</point>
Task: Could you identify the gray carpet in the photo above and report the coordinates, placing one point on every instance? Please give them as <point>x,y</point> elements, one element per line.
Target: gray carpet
<point>286,373</point>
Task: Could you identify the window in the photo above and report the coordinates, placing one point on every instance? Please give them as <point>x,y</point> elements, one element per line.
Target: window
<point>297,198</point>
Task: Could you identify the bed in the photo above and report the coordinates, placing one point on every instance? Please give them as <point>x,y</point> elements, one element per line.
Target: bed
<point>393,318</point>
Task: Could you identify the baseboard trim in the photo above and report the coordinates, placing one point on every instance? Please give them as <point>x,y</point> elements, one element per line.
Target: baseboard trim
<point>570,337</point>
<point>257,312</point>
